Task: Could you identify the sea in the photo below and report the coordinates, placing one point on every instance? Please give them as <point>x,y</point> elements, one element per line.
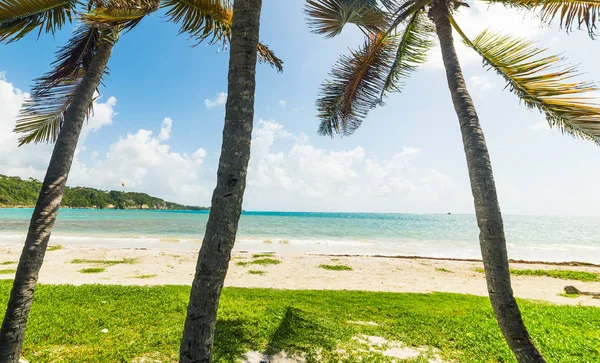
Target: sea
<point>539,238</point>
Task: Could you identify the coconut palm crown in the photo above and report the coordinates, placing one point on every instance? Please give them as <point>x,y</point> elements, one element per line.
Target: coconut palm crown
<point>42,115</point>
<point>399,34</point>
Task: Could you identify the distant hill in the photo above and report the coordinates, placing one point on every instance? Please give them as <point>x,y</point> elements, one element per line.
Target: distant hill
<point>17,192</point>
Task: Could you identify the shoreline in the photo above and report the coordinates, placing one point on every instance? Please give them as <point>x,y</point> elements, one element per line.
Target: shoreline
<point>377,249</point>
<point>409,274</point>
<point>510,260</point>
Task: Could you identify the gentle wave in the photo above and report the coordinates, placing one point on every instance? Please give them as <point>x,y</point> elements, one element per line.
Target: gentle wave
<point>541,238</point>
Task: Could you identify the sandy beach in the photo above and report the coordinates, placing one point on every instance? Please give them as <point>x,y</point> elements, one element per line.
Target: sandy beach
<point>298,271</point>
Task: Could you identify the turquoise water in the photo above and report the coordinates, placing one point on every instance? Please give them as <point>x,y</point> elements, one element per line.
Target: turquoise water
<point>529,237</point>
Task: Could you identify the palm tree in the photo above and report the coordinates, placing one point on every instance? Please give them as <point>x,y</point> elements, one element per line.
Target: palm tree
<point>226,207</point>
<point>398,36</point>
<point>62,100</point>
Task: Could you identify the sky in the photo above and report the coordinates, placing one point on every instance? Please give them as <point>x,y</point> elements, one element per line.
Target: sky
<point>158,122</point>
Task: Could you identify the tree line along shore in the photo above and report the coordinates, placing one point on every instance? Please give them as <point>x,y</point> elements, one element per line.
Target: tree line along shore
<point>23,193</point>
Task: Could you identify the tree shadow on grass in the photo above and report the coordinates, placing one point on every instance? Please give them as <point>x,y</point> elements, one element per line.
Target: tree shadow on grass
<point>231,340</point>
<point>300,331</point>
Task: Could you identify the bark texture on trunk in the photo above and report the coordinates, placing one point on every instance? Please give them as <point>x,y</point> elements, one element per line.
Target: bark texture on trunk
<point>221,228</point>
<point>14,324</point>
<point>487,210</point>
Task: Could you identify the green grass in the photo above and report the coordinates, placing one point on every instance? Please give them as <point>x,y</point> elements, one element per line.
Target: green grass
<point>265,261</point>
<point>142,276</point>
<point>284,241</point>
<point>257,272</point>
<point>92,270</point>
<point>336,267</point>
<point>128,261</point>
<point>557,274</point>
<point>441,269</point>
<point>7,263</point>
<point>268,241</point>
<point>259,255</point>
<point>573,296</point>
<point>66,322</point>
<point>7,271</point>
<point>54,248</point>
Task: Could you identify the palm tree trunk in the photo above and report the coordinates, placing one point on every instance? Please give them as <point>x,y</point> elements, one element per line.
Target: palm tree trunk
<point>226,207</point>
<point>487,210</point>
<point>12,332</point>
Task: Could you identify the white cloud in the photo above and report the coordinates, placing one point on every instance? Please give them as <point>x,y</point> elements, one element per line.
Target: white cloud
<point>408,151</point>
<point>218,101</point>
<point>103,115</point>
<point>145,163</point>
<point>282,103</point>
<point>32,160</point>
<point>481,16</point>
<point>165,130</point>
<point>286,171</point>
<point>540,125</point>
<point>305,177</point>
<point>28,160</point>
<point>480,85</point>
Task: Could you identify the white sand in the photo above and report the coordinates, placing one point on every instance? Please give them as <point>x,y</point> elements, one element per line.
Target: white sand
<point>299,271</point>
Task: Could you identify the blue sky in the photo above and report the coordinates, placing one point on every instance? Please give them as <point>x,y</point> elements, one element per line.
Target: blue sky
<point>407,156</point>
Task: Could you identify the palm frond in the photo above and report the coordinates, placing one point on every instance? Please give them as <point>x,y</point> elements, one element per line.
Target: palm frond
<point>42,115</point>
<point>328,17</point>
<point>202,19</point>
<point>405,10</point>
<point>392,5</point>
<point>18,18</point>
<point>356,85</point>
<point>211,19</point>
<point>570,12</point>
<point>542,83</point>
<point>415,42</point>
<point>124,14</point>
<point>266,55</point>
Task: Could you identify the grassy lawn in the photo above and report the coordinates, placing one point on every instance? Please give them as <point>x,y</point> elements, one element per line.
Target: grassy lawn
<point>557,274</point>
<point>66,324</point>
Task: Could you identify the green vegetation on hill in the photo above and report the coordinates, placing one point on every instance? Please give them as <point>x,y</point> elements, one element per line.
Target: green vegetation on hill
<point>94,323</point>
<point>17,192</point>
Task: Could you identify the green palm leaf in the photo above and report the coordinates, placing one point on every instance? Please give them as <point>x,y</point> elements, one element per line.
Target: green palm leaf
<point>19,17</point>
<point>571,12</point>
<point>124,14</point>
<point>202,19</point>
<point>356,85</point>
<point>266,55</point>
<point>42,115</point>
<point>416,41</point>
<point>211,19</point>
<point>329,17</point>
<point>541,83</point>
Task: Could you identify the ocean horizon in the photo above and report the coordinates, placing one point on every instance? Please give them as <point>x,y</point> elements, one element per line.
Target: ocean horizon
<point>539,238</point>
